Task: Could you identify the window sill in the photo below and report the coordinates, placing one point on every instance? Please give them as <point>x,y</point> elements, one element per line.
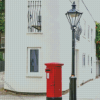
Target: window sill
<point>34,33</point>
<point>34,75</point>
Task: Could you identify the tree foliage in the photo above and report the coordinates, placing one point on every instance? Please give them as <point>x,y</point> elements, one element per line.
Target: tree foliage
<point>2,16</point>
<point>1,56</point>
<point>97,40</point>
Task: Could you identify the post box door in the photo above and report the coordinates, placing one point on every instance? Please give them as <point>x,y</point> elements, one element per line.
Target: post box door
<point>58,82</point>
<point>50,83</point>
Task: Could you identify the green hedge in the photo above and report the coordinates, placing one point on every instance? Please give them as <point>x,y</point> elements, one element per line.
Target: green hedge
<point>1,56</point>
<point>97,40</point>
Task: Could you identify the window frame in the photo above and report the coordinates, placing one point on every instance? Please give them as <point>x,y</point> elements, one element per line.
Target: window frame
<point>91,61</point>
<point>34,74</point>
<point>83,59</point>
<point>88,60</point>
<point>91,33</point>
<point>41,19</point>
<point>84,27</point>
<point>88,32</point>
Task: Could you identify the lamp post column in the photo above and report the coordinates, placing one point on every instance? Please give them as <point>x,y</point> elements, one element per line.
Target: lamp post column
<point>72,93</point>
<point>73,17</point>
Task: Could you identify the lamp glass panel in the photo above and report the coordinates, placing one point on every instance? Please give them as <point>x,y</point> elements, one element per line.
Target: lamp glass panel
<point>73,18</point>
<point>73,14</point>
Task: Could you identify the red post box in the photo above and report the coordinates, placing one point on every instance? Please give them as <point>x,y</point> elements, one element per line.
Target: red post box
<point>54,81</point>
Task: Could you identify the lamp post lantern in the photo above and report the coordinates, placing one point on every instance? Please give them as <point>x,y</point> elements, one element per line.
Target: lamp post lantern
<point>73,17</point>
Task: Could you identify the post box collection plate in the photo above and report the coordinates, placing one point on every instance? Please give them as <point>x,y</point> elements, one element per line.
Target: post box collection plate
<point>47,75</point>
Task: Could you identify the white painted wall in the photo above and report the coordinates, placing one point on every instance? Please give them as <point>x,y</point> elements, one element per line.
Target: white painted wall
<point>55,43</point>
<point>87,46</point>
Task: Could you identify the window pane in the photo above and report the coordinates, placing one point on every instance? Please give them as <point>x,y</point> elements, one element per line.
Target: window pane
<point>34,60</point>
<point>84,59</point>
<point>91,61</point>
<point>88,30</point>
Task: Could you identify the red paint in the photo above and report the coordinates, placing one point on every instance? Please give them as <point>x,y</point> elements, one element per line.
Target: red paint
<point>54,79</point>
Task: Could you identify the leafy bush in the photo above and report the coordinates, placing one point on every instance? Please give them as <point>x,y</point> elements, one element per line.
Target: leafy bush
<point>97,40</point>
<point>1,56</point>
<point>2,16</point>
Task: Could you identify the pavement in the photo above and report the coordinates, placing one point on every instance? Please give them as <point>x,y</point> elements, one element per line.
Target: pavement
<point>1,77</point>
<point>88,91</point>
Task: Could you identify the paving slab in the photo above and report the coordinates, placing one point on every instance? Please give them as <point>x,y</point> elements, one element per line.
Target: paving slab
<point>88,91</point>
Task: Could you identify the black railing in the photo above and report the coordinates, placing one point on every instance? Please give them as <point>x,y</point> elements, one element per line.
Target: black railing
<point>34,16</point>
<point>2,45</point>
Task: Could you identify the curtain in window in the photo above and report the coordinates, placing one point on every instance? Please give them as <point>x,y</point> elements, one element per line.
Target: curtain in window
<point>33,60</point>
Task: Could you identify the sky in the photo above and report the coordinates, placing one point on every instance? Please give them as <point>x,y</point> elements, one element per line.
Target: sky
<point>94,8</point>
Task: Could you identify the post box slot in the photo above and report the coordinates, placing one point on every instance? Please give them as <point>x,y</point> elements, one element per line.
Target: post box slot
<point>47,69</point>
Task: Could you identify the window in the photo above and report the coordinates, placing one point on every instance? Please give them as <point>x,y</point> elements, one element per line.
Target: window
<point>88,59</point>
<point>34,15</point>
<point>91,61</point>
<point>88,31</point>
<point>91,34</point>
<point>83,59</point>
<point>33,69</point>
<point>84,27</point>
<point>34,59</point>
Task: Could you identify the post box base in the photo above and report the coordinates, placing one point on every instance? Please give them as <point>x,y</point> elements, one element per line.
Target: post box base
<point>59,98</point>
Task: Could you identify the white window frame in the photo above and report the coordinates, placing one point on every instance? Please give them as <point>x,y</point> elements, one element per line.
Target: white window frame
<point>34,74</point>
<point>91,33</point>
<point>84,61</point>
<point>84,27</point>
<point>88,32</point>
<point>91,61</point>
<point>88,60</point>
<point>41,18</point>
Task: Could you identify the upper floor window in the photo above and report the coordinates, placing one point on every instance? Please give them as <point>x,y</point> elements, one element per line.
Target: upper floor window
<point>84,27</point>
<point>88,31</point>
<point>34,15</point>
<point>88,59</point>
<point>91,33</point>
<point>91,61</point>
<point>83,59</point>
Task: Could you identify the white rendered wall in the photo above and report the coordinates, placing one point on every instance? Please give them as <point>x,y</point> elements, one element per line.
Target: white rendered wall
<point>86,47</point>
<point>55,43</point>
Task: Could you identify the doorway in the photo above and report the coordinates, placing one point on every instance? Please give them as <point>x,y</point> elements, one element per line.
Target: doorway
<point>77,66</point>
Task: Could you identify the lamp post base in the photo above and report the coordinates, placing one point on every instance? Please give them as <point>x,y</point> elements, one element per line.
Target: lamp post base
<point>59,98</point>
<point>72,87</point>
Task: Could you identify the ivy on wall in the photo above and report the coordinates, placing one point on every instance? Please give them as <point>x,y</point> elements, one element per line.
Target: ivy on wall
<point>97,40</point>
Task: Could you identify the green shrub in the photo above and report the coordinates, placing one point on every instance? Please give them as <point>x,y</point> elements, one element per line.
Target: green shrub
<point>1,56</point>
<point>97,40</point>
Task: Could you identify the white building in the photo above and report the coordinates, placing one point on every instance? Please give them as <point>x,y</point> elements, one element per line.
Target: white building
<point>52,44</point>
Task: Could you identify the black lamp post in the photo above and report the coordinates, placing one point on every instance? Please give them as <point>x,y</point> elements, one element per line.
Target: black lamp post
<point>73,17</point>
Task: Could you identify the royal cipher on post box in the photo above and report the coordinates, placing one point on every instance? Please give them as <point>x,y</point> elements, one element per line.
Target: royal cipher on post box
<point>54,81</point>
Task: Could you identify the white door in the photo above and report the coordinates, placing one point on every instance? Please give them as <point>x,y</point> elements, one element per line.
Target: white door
<point>77,66</point>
